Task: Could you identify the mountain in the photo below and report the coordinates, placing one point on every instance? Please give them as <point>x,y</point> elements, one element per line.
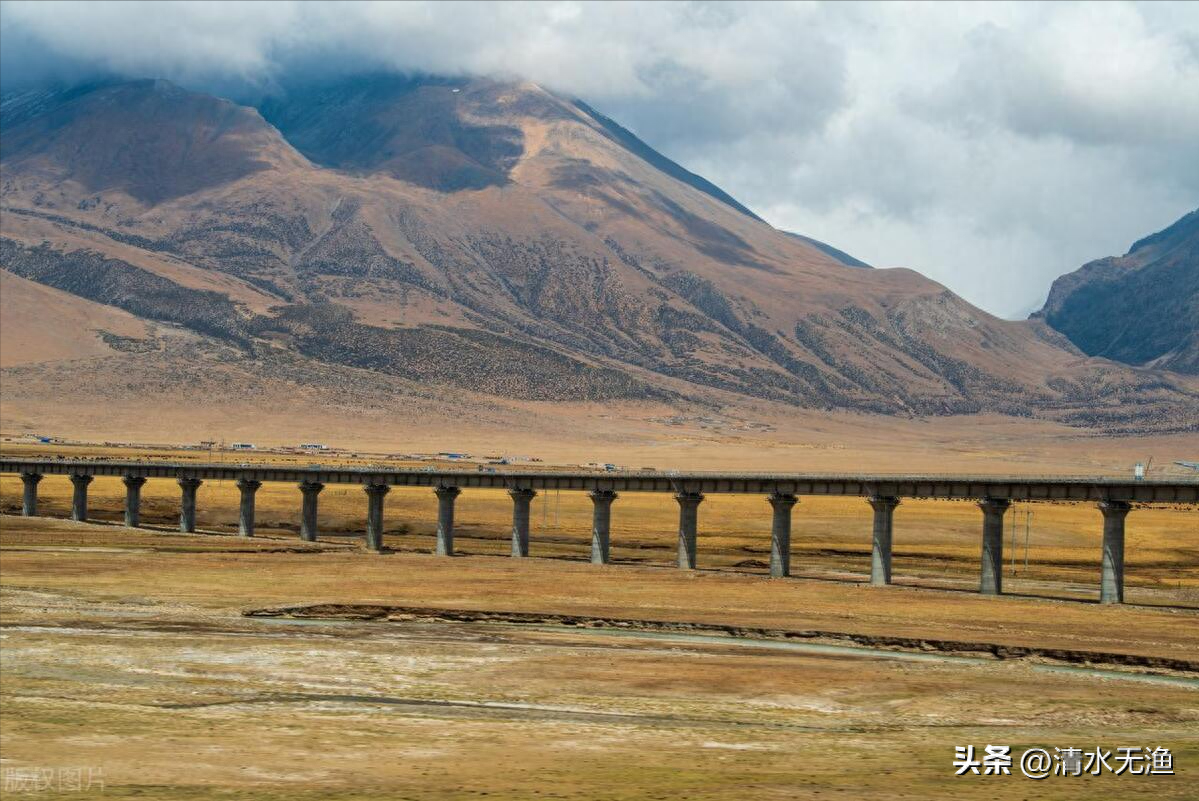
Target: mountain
<point>839,255</point>
<point>157,141</point>
<point>1140,308</point>
<point>473,235</point>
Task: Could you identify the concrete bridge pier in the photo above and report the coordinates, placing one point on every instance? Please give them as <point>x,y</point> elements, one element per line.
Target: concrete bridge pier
<point>187,504</point>
<point>688,526</point>
<point>1111,581</point>
<point>445,519</point>
<point>374,515</point>
<point>601,525</point>
<point>245,520</point>
<point>29,494</point>
<point>880,551</point>
<point>309,490</point>
<point>991,579</point>
<point>133,500</point>
<point>521,498</point>
<point>79,496</point>
<point>780,534</point>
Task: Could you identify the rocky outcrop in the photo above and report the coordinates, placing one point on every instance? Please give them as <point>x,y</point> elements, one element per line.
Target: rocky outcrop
<point>1141,308</point>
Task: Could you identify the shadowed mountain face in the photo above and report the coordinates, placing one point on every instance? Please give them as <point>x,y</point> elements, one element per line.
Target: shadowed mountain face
<point>839,255</point>
<point>149,139</point>
<point>1140,308</point>
<point>495,237</point>
<point>419,131</point>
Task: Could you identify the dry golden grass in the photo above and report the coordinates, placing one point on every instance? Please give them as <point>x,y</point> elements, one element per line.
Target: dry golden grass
<point>127,650</point>
<point>746,436</point>
<point>223,571</point>
<point>132,656</point>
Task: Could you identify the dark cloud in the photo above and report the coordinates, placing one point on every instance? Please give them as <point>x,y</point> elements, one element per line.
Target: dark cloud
<point>991,146</point>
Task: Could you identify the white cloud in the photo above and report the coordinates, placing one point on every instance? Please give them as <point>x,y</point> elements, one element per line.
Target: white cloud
<point>991,146</point>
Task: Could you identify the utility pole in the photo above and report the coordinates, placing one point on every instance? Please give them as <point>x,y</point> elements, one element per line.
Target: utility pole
<point>1014,515</point>
<point>1027,535</point>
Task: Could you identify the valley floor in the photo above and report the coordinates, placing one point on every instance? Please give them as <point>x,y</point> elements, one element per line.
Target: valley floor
<point>128,655</point>
<point>131,402</point>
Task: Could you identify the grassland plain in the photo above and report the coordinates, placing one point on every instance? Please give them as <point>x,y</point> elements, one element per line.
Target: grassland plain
<point>130,651</point>
<point>133,655</point>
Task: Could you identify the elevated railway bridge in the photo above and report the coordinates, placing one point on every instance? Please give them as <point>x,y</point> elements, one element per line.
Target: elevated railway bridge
<point>1113,497</point>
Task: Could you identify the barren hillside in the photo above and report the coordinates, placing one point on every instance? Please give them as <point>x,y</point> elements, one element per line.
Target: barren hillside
<point>471,235</point>
<point>1140,308</point>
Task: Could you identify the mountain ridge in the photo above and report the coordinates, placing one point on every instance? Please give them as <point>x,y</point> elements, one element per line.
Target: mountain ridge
<point>428,247</point>
<point>1141,308</point>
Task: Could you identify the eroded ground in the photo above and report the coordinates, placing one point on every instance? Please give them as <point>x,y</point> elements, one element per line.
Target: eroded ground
<point>130,651</point>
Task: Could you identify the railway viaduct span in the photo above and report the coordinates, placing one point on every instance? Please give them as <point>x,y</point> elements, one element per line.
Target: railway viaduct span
<point>1115,498</point>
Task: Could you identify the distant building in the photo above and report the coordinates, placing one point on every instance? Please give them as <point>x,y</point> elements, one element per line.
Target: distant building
<point>312,446</point>
<point>242,446</point>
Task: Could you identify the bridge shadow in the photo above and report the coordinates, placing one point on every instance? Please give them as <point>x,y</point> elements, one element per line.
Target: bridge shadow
<point>901,582</point>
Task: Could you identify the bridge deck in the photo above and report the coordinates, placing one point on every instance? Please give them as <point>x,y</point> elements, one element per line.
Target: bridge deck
<point>1022,488</point>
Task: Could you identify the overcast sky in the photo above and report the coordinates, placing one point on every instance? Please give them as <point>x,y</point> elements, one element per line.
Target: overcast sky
<point>990,146</point>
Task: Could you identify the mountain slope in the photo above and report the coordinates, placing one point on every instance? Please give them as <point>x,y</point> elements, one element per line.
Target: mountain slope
<point>839,255</point>
<point>405,128</point>
<point>1140,308</point>
<point>492,236</point>
<point>158,141</point>
<point>628,140</point>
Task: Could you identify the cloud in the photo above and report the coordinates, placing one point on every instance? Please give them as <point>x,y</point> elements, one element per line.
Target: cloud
<point>991,146</point>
